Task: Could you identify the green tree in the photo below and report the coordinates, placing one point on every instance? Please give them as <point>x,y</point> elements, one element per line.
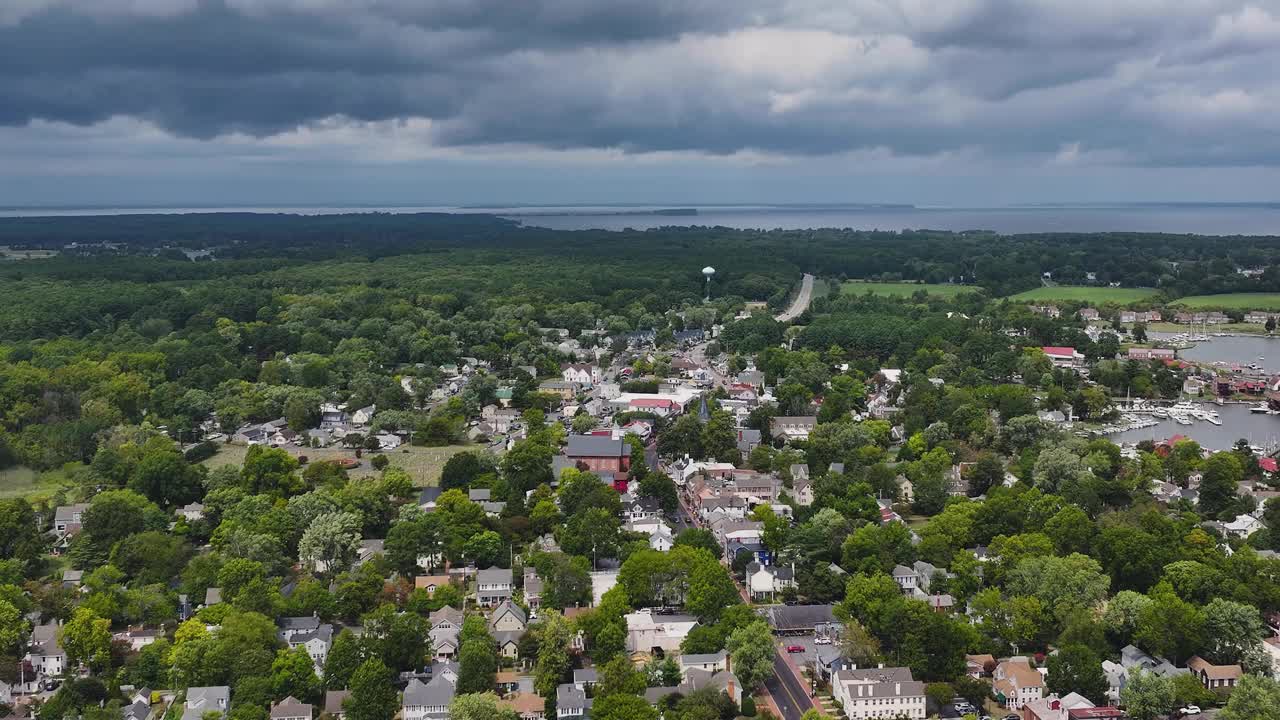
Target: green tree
<point>373,694</point>
<point>1254,698</point>
<point>553,660</point>
<point>345,656</point>
<point>752,650</point>
<point>330,543</point>
<point>623,707</point>
<point>1076,668</point>
<point>13,627</point>
<point>619,676</point>
<point>1232,629</point>
<point>480,706</point>
<point>477,665</point>
<point>293,673</point>
<point>1147,696</point>
<point>1221,475</point>
<point>87,639</point>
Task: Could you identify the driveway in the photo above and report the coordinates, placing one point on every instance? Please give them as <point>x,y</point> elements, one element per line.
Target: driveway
<point>801,302</point>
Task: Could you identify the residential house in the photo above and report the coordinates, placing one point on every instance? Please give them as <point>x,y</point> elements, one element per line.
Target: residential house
<point>647,632</point>
<point>291,709</point>
<point>564,390</point>
<point>979,666</point>
<point>192,511</point>
<point>201,700</point>
<point>724,681</point>
<point>71,579</point>
<point>1090,315</point>
<point>444,642</point>
<point>800,619</point>
<point>1051,311</point>
<point>431,583</point>
<point>599,453</point>
<point>793,428</point>
<point>766,581</point>
<point>1126,316</point>
<point>212,596</point>
<point>508,643</point>
<point>661,539</point>
<point>1214,677</point>
<point>1064,357</point>
<point>45,653</point>
<point>1117,674</point>
<point>585,679</point>
<point>1054,707</point>
<point>710,662</point>
<point>878,693</point>
<point>528,705</point>
<point>532,589</point>
<point>1017,683</point>
<point>493,586</point>
<point>137,637</point>
<point>334,701</point>
<point>428,701</point>
<point>507,617</point>
<point>580,373</point>
<point>571,702</point>
<point>67,521</point>
<point>309,633</point>
<point>446,617</point>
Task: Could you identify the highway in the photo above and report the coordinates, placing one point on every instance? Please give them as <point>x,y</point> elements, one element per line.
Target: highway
<point>801,302</point>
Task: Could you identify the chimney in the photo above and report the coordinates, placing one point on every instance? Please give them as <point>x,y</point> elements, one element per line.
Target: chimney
<point>897,688</point>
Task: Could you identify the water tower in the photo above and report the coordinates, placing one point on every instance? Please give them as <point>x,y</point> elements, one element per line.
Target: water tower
<point>707,272</point>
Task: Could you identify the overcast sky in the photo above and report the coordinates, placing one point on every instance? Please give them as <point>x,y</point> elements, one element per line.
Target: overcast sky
<point>698,101</point>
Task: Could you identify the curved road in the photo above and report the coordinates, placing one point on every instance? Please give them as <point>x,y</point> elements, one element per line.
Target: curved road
<point>801,302</point>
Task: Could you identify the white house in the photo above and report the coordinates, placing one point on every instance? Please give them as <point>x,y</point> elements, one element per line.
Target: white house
<point>878,693</point>
<point>428,701</point>
<point>580,373</point>
<point>710,662</point>
<point>494,585</point>
<point>46,654</point>
<point>766,581</point>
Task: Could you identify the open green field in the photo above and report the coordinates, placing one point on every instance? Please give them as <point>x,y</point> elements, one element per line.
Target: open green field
<point>1232,301</point>
<point>903,289</point>
<point>423,464</point>
<point>1096,295</point>
<point>22,481</point>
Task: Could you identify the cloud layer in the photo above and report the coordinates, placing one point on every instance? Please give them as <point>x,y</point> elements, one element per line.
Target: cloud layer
<point>1054,83</point>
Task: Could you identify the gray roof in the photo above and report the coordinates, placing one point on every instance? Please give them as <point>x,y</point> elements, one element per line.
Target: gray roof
<point>438,692</point>
<point>448,613</point>
<point>324,633</point>
<point>291,707</point>
<point>506,637</point>
<point>703,658</point>
<point>596,446</point>
<point>507,607</point>
<point>213,596</point>
<point>429,495</point>
<point>442,636</point>
<point>300,624</point>
<point>586,675</point>
<point>201,700</point>
<point>45,639</point>
<point>479,494</point>
<point>494,576</point>
<point>798,617</point>
<point>568,696</point>
<point>333,701</point>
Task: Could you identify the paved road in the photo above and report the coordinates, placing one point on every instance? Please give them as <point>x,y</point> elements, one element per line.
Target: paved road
<point>801,302</point>
<point>788,693</point>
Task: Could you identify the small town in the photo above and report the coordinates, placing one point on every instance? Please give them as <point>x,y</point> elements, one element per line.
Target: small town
<point>685,522</point>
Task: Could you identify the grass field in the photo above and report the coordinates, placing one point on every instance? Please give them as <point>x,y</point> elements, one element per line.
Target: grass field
<point>902,289</point>
<point>1232,301</point>
<point>1097,295</point>
<point>21,481</point>
<point>422,463</point>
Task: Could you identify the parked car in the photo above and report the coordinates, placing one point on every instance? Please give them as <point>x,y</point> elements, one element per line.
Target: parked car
<point>795,648</point>
<point>964,708</point>
<point>1189,710</point>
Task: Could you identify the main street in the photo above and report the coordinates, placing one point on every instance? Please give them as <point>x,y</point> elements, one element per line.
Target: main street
<point>785,687</point>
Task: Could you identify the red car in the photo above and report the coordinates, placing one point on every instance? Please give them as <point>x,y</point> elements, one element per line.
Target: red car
<point>795,648</point>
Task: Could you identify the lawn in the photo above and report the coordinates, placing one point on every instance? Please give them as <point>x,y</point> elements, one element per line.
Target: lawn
<point>903,289</point>
<point>1095,295</point>
<point>1232,301</point>
<point>22,481</point>
<point>422,463</point>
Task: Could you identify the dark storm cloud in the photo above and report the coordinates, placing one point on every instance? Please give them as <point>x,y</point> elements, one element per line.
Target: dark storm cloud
<point>1150,81</point>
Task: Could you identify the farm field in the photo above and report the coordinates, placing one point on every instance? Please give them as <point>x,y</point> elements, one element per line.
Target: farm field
<point>1232,301</point>
<point>423,464</point>
<point>903,289</point>
<point>1078,293</point>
